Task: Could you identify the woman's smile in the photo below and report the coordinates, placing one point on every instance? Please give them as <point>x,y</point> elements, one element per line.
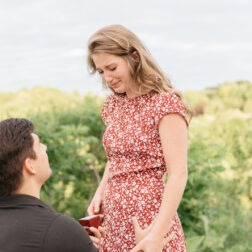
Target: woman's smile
<point>115,85</point>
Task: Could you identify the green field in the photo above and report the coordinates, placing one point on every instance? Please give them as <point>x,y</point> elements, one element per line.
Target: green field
<point>216,208</point>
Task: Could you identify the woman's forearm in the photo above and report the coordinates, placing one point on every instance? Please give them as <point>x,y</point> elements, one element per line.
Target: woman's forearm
<point>172,195</point>
<point>173,136</point>
<point>101,187</point>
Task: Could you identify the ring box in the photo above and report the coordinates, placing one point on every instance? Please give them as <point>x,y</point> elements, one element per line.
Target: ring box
<point>91,221</point>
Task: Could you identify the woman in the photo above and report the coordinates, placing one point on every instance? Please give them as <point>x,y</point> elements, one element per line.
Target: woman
<point>146,136</point>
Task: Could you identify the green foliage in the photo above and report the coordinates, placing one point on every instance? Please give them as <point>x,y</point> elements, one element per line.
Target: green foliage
<point>71,127</point>
<point>216,207</point>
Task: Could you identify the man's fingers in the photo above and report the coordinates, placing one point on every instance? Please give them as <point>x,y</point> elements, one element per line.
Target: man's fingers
<point>102,231</point>
<point>96,232</point>
<point>95,241</point>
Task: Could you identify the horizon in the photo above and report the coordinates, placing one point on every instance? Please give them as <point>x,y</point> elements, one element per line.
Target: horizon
<point>107,92</point>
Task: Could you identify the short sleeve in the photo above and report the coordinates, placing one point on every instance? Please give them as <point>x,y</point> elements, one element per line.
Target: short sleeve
<point>107,109</point>
<point>169,104</point>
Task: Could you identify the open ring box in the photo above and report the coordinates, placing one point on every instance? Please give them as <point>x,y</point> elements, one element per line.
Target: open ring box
<point>91,221</point>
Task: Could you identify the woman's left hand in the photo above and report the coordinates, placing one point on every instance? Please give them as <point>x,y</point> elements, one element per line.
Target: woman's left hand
<point>149,244</point>
<point>147,241</point>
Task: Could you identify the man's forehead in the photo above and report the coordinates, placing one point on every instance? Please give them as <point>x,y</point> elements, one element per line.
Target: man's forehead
<point>35,137</point>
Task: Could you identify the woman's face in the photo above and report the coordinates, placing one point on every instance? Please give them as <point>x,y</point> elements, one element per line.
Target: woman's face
<point>114,71</point>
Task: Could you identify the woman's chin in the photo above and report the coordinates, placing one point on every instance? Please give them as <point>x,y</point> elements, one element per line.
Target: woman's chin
<point>119,90</point>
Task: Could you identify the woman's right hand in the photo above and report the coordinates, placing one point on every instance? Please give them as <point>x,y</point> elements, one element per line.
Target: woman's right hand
<point>95,206</point>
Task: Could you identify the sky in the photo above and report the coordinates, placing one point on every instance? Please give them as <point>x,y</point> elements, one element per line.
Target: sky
<point>197,43</point>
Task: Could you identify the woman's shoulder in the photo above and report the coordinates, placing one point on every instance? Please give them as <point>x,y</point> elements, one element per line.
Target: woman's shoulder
<point>169,103</point>
<point>165,97</point>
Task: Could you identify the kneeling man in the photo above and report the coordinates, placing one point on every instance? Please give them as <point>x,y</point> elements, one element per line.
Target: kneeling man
<point>27,223</point>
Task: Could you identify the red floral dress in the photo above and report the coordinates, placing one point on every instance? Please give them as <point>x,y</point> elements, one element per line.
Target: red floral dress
<point>135,185</point>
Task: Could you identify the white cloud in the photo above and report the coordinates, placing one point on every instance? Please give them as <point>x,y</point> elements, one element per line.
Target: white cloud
<point>75,53</point>
<point>200,42</point>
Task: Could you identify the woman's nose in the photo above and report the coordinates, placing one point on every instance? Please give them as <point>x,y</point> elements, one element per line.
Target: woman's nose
<point>107,77</point>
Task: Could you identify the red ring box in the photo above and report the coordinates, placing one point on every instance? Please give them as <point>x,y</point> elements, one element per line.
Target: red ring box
<point>91,221</point>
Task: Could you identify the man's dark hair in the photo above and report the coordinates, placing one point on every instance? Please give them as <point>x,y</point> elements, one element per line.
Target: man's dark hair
<point>16,144</point>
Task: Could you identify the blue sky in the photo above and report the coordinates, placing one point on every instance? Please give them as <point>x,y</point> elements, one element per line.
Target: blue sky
<point>197,43</point>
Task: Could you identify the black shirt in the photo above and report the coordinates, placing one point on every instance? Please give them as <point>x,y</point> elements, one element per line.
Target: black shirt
<point>28,224</point>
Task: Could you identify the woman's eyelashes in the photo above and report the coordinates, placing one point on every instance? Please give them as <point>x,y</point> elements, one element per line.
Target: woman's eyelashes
<point>111,69</point>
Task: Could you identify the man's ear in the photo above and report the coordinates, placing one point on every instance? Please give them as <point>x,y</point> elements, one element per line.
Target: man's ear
<point>136,56</point>
<point>28,166</point>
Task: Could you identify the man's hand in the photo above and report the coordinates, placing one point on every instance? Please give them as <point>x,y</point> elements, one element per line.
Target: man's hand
<point>98,233</point>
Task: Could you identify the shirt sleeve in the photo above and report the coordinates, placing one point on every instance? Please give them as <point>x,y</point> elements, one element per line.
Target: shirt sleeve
<point>66,234</point>
<point>107,109</point>
<point>169,104</point>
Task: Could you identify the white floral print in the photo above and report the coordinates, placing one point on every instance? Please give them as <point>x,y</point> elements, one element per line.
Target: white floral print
<point>135,186</point>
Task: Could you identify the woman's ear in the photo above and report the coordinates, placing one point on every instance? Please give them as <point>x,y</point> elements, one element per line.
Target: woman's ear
<point>136,56</point>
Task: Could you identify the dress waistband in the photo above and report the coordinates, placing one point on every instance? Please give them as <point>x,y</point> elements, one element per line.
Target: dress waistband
<point>157,172</point>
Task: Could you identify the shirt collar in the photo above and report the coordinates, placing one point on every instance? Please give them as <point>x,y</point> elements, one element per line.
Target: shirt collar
<point>20,200</point>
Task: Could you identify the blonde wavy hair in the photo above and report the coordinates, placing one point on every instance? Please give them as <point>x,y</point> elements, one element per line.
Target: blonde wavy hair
<point>145,72</point>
